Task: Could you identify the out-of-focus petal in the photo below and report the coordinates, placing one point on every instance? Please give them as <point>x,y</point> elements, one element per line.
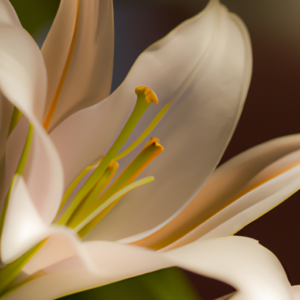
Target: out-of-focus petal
<point>112,262</point>
<point>78,53</point>
<point>296,292</point>
<point>23,81</point>
<point>241,262</point>
<point>232,179</point>
<point>24,227</point>
<point>8,14</point>
<point>208,84</point>
<point>6,109</point>
<point>253,202</point>
<point>21,61</point>
<point>253,270</point>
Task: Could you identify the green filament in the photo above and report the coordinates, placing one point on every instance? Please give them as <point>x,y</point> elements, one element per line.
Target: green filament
<point>140,108</point>
<point>125,178</point>
<point>144,135</point>
<point>74,184</point>
<point>110,201</point>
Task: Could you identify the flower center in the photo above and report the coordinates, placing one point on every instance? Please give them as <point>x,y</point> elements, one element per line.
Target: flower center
<point>99,194</point>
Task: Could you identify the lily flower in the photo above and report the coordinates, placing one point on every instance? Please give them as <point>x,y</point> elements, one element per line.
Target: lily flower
<point>200,73</point>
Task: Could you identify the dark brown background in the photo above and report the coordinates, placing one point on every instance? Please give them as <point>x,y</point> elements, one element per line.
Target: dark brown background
<point>272,108</point>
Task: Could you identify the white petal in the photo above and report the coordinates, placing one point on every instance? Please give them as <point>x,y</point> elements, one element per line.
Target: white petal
<point>296,291</point>
<point>23,81</point>
<point>248,207</point>
<point>113,261</point>
<point>6,110</point>
<point>8,14</point>
<point>212,70</point>
<point>231,257</point>
<point>24,227</point>
<point>21,61</point>
<point>89,74</point>
<point>241,262</point>
<point>231,179</point>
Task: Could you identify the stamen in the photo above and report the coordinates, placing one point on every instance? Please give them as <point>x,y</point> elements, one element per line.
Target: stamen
<point>144,135</point>
<point>83,230</point>
<point>151,150</point>
<point>52,108</point>
<point>144,98</point>
<point>84,209</point>
<point>74,184</point>
<point>16,117</point>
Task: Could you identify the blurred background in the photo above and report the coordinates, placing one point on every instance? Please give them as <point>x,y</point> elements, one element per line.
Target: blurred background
<point>272,108</point>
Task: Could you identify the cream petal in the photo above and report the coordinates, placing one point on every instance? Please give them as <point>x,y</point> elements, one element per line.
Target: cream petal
<point>8,14</point>
<point>296,291</point>
<point>87,37</point>
<point>213,55</point>
<point>247,208</point>
<point>24,227</point>
<point>241,262</point>
<point>6,110</point>
<point>231,179</point>
<point>113,261</point>
<point>14,148</point>
<point>231,256</point>
<point>23,81</point>
<point>21,61</point>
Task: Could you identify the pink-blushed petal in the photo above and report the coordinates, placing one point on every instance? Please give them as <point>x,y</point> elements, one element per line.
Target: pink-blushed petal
<point>232,179</point>
<point>21,61</point>
<point>247,208</point>
<point>57,45</point>
<point>6,109</point>
<point>81,45</point>
<point>23,81</point>
<point>24,227</point>
<point>241,262</point>
<point>113,261</point>
<point>8,14</point>
<point>14,148</point>
<point>296,291</point>
<point>253,270</point>
<point>209,81</point>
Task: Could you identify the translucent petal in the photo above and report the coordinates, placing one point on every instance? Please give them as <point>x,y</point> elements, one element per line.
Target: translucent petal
<point>89,72</point>
<point>208,82</point>
<point>232,179</point>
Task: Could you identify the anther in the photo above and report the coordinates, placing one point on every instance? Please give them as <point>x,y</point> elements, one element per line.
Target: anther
<point>145,93</point>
